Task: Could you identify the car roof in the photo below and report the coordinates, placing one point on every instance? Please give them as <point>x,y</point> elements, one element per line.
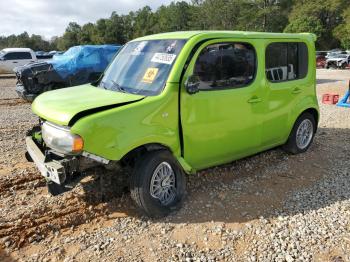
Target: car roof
<point>7,50</point>
<point>224,34</point>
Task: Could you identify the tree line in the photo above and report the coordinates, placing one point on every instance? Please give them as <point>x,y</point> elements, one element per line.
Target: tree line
<point>328,19</point>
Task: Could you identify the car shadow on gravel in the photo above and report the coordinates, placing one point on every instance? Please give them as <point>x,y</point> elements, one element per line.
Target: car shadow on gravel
<point>109,193</point>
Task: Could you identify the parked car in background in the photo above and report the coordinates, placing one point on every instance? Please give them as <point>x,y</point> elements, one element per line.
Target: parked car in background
<point>338,61</point>
<point>332,54</point>
<point>40,53</point>
<point>54,52</point>
<point>13,57</point>
<point>43,55</point>
<point>176,103</point>
<point>79,65</point>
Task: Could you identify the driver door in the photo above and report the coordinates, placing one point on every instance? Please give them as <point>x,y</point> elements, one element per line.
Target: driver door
<point>222,122</point>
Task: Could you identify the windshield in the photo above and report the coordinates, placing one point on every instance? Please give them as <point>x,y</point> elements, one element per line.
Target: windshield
<point>142,67</point>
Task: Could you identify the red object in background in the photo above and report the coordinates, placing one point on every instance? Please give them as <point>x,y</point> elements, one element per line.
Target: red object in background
<point>330,99</point>
<point>320,61</point>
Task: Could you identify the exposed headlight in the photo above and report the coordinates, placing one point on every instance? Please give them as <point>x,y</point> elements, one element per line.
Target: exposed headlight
<point>60,139</point>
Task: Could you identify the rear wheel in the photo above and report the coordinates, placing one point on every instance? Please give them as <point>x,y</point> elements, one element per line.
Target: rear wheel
<point>158,183</point>
<point>302,134</point>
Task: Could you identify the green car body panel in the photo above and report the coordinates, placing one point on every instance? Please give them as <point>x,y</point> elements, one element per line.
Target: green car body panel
<point>60,106</point>
<point>201,130</point>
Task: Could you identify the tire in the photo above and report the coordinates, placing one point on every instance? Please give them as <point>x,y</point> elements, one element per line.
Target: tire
<point>55,189</point>
<point>292,145</point>
<point>142,177</point>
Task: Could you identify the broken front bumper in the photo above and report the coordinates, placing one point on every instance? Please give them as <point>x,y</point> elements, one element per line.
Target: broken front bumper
<point>52,170</point>
<point>22,93</point>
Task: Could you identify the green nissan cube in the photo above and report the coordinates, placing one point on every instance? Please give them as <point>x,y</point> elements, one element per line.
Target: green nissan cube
<point>174,103</point>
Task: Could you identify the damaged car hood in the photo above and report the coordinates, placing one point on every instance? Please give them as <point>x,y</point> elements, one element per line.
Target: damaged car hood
<point>64,105</point>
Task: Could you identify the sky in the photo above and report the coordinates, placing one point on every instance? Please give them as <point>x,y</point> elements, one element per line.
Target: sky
<point>51,17</point>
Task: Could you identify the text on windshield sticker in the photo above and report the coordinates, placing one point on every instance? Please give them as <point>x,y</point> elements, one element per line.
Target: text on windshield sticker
<point>163,58</point>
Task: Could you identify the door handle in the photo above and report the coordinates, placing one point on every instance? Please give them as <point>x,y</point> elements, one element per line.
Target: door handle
<point>14,62</point>
<point>254,100</point>
<point>296,90</point>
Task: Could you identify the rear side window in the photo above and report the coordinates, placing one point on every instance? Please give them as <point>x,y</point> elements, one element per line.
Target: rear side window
<point>18,56</point>
<point>286,61</point>
<point>226,65</point>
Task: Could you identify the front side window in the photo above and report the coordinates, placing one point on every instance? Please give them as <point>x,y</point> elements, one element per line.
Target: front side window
<point>225,65</point>
<point>142,67</point>
<point>286,61</point>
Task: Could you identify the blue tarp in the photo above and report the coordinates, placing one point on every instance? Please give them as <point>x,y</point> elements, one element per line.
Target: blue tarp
<point>89,58</point>
<point>345,101</point>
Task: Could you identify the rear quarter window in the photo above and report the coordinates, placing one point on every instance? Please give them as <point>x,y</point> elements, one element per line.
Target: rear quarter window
<point>286,61</point>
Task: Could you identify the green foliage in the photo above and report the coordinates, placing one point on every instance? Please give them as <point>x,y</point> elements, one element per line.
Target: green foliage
<point>174,17</point>
<point>24,40</point>
<point>70,37</point>
<point>305,24</point>
<point>342,31</point>
<point>328,19</point>
<point>320,17</point>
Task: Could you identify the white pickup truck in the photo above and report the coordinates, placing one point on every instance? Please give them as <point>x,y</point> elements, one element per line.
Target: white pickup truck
<point>13,57</point>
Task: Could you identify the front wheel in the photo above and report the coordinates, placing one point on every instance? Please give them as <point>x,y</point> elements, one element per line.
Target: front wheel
<point>302,134</point>
<point>158,183</point>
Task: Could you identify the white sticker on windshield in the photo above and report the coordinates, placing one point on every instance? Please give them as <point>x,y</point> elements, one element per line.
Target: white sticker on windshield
<point>163,58</point>
<point>138,49</point>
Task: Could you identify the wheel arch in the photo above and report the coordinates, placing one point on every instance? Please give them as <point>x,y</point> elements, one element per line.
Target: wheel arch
<point>140,150</point>
<point>311,110</point>
<point>314,112</point>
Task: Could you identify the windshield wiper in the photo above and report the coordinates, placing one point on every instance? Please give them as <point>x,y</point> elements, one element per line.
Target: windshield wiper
<point>117,86</point>
<point>102,84</point>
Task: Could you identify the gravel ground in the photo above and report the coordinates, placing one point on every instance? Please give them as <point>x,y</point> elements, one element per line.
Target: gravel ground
<point>269,207</point>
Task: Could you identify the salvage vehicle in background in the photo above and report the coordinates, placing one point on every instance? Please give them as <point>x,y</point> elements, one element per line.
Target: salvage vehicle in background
<point>338,61</point>
<point>13,57</point>
<point>176,103</point>
<point>79,65</point>
<point>43,55</point>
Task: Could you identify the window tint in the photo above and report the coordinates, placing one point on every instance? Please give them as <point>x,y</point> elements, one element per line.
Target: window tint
<point>225,65</point>
<point>286,61</point>
<point>18,56</point>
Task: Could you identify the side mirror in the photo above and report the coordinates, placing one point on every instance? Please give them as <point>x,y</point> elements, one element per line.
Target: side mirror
<point>192,84</point>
